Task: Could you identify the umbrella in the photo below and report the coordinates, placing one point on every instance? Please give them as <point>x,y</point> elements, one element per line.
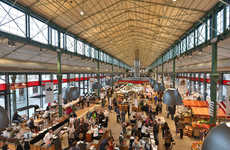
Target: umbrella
<point>218,138</point>
<point>172,97</point>
<point>4,118</point>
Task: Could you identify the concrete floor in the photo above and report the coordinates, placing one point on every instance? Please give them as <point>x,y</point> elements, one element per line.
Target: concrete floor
<point>181,144</point>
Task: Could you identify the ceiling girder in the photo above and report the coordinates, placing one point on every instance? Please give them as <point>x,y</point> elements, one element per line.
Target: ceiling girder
<point>93,14</point>
<point>160,16</point>
<point>159,25</point>
<point>109,35</point>
<point>136,27</point>
<point>169,5</point>
<point>109,28</point>
<point>103,22</point>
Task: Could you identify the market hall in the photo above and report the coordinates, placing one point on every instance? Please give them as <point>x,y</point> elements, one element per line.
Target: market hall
<point>114,74</point>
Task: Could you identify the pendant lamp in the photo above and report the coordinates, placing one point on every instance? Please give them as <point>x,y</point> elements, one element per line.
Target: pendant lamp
<point>172,97</point>
<point>4,118</point>
<point>218,138</point>
<point>159,87</point>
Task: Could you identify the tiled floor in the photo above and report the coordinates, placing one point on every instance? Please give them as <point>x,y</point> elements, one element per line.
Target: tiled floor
<point>181,144</point>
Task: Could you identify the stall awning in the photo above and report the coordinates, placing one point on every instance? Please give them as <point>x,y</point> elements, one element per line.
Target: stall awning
<point>133,81</point>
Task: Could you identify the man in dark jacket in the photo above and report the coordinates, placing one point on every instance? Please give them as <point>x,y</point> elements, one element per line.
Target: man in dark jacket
<point>181,128</point>
<point>171,111</point>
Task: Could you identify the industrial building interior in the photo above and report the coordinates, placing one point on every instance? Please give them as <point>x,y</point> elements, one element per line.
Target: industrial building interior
<point>115,74</point>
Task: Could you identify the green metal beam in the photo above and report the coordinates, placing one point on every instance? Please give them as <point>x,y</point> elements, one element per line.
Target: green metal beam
<point>162,70</point>
<point>50,22</point>
<point>206,16</point>
<point>98,75</point>
<point>174,72</point>
<point>59,77</point>
<point>213,87</point>
<point>13,79</point>
<point>157,74</point>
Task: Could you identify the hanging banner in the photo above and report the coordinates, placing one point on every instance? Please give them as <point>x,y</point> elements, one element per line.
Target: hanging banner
<point>49,92</point>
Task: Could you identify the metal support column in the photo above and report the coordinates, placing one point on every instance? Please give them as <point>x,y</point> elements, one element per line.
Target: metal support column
<point>7,96</point>
<point>98,78</point>
<point>13,79</point>
<point>162,71</point>
<point>214,78</point>
<point>199,83</point>
<point>190,83</point>
<point>157,75</point>
<point>194,82</point>
<point>174,72</point>
<point>27,96</point>
<point>59,77</point>
<point>220,93</point>
<point>40,89</point>
<point>112,76</point>
<point>79,81</point>
<point>205,86</point>
<point>68,80</point>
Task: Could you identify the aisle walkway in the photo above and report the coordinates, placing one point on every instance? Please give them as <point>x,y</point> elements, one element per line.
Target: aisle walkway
<point>181,144</point>
<point>114,126</point>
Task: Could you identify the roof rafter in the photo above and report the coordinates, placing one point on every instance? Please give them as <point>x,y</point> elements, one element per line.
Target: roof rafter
<point>160,16</point>
<point>169,5</point>
<point>158,32</point>
<point>103,22</point>
<point>112,33</point>
<point>93,14</point>
<point>159,25</point>
<point>109,28</point>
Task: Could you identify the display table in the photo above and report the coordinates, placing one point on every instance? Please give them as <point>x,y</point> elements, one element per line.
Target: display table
<point>195,103</point>
<point>197,145</point>
<point>70,104</point>
<point>204,112</point>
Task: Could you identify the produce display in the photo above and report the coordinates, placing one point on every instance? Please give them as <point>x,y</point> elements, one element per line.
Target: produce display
<point>197,145</point>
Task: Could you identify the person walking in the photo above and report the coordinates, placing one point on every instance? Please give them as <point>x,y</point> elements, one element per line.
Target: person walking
<point>165,128</point>
<point>168,139</point>
<point>181,128</point>
<point>123,113</point>
<point>176,120</point>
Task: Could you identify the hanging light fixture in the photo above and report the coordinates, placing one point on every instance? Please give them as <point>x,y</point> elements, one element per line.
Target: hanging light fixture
<point>172,97</point>
<point>159,87</point>
<point>4,118</point>
<point>82,13</point>
<point>218,138</point>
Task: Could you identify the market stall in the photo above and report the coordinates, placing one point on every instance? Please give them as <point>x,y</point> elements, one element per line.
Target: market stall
<point>195,103</point>
<point>195,115</point>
